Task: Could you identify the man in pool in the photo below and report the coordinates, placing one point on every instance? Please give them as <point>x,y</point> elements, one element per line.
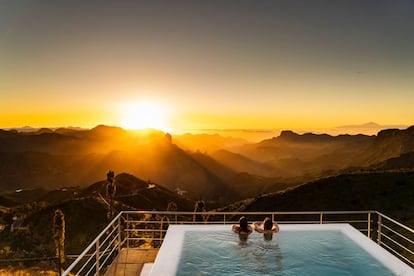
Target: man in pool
<point>243,229</point>
<point>267,227</point>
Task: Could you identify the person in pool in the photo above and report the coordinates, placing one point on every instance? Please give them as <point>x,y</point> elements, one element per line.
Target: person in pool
<point>243,229</point>
<point>266,227</point>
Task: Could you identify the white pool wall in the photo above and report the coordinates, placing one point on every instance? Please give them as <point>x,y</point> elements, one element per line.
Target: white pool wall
<point>168,258</point>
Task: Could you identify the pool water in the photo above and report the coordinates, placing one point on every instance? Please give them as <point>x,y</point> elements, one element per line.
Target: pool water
<point>289,253</point>
<point>325,249</point>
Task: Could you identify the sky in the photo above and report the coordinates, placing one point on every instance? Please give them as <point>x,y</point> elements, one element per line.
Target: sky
<point>207,64</point>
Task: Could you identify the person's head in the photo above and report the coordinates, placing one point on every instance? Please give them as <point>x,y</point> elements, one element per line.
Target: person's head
<point>243,224</point>
<point>267,224</point>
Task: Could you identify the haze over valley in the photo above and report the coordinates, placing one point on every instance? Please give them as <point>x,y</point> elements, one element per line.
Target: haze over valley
<point>206,166</point>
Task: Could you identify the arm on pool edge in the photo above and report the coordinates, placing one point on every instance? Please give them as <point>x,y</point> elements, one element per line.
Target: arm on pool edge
<point>275,227</point>
<point>257,226</point>
<point>235,229</point>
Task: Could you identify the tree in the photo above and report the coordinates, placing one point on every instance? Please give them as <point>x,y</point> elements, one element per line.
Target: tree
<point>110,191</point>
<point>59,237</point>
<point>110,186</point>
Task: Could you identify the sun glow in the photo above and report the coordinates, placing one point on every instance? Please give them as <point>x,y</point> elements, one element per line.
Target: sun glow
<point>145,114</point>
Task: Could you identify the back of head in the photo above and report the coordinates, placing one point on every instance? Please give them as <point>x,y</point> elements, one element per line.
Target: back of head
<point>267,224</point>
<point>243,224</point>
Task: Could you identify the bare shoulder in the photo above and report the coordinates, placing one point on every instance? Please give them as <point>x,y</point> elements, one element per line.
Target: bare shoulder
<point>275,227</point>
<point>235,228</point>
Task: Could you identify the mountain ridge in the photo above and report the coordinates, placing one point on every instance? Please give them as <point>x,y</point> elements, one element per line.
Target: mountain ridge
<point>44,159</point>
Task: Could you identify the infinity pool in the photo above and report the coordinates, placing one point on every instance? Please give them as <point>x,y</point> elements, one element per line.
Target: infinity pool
<point>327,249</point>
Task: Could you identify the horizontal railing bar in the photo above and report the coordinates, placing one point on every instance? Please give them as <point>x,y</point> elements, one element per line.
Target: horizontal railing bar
<point>90,269</point>
<point>143,239</point>
<point>145,230</point>
<point>107,257</point>
<point>396,253</point>
<point>101,244</point>
<point>343,221</point>
<point>106,249</point>
<point>396,222</point>
<point>397,243</point>
<point>115,219</point>
<point>101,254</point>
<point>398,234</point>
<point>87,262</point>
<point>246,213</point>
<point>235,221</point>
<point>299,222</point>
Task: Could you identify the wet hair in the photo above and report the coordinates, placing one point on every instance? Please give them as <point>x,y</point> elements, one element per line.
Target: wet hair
<point>268,224</point>
<point>268,237</point>
<point>243,224</point>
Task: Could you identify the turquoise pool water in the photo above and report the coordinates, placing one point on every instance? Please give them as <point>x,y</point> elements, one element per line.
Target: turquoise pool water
<point>289,253</point>
<point>333,249</point>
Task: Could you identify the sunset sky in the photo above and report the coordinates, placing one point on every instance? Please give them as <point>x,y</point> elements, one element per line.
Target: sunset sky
<point>206,64</point>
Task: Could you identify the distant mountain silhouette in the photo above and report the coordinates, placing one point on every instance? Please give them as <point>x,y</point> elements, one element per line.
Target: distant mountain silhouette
<point>69,157</point>
<point>369,128</point>
<point>312,156</point>
<point>51,160</point>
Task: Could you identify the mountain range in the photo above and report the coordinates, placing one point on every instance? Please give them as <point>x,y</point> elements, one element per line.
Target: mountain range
<point>204,166</point>
<point>48,169</point>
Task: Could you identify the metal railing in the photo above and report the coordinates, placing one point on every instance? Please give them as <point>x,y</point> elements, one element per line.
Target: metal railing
<point>146,229</point>
<point>396,237</point>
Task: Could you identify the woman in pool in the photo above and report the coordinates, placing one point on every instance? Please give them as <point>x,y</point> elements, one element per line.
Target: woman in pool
<point>267,227</point>
<point>243,229</point>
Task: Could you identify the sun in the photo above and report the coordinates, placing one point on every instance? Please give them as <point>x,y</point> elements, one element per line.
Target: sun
<point>144,115</point>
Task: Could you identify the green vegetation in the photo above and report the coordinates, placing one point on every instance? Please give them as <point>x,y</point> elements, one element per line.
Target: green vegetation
<point>85,212</point>
<point>391,193</point>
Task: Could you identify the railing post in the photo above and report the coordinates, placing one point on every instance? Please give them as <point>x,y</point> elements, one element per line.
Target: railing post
<point>224,218</point>
<point>369,225</point>
<point>321,218</point>
<point>127,231</point>
<point>97,257</point>
<point>119,234</point>
<point>379,229</point>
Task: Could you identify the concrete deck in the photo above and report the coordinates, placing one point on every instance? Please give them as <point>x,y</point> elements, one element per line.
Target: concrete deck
<point>131,262</point>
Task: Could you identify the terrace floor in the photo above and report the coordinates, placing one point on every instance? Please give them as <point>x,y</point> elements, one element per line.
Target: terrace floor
<point>131,262</point>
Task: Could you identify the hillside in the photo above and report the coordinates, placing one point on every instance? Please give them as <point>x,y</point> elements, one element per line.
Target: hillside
<point>389,192</point>
<point>230,170</point>
<point>206,143</point>
<point>403,162</point>
<point>241,163</point>
<point>54,159</point>
<point>85,214</point>
<point>140,195</point>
